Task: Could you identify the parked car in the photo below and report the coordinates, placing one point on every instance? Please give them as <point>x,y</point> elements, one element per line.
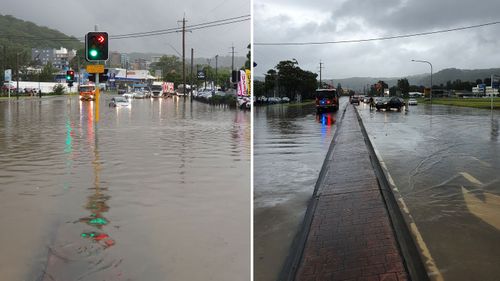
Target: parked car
<point>129,95</point>
<point>118,101</point>
<point>412,102</point>
<point>139,95</point>
<point>285,99</point>
<point>390,102</point>
<point>355,99</point>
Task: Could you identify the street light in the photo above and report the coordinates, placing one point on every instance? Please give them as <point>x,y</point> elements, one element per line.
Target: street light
<point>424,61</point>
<point>491,82</point>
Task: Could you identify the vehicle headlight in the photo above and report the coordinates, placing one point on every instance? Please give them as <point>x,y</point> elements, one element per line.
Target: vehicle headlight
<point>385,103</point>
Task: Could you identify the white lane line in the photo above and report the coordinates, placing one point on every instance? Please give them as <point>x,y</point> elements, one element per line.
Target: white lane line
<point>430,265</point>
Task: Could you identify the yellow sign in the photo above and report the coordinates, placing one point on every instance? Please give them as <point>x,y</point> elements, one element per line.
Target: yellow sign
<point>95,68</point>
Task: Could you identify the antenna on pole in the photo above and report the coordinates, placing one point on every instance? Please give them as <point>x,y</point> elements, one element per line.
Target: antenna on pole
<point>320,72</point>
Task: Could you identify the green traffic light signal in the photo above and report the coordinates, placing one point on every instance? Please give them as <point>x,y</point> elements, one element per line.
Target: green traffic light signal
<point>96,46</point>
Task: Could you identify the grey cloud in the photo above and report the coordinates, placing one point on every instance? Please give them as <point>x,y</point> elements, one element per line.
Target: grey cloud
<point>357,19</point>
<point>128,16</point>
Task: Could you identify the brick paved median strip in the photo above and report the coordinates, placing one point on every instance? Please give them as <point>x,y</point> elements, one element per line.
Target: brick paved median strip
<point>350,235</point>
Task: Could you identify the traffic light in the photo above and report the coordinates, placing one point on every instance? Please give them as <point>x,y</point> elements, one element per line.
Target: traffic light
<point>70,76</point>
<point>96,46</point>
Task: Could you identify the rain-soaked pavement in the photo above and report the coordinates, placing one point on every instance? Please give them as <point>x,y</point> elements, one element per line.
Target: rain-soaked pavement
<point>445,162</point>
<point>290,145</point>
<point>156,191</point>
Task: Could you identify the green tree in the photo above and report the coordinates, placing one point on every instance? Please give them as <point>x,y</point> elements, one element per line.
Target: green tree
<point>404,86</point>
<point>270,82</point>
<point>259,88</point>
<point>47,73</point>
<point>249,59</point>
<point>79,61</point>
<point>290,80</point>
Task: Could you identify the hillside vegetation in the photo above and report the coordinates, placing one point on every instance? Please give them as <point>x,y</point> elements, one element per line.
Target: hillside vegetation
<point>19,36</point>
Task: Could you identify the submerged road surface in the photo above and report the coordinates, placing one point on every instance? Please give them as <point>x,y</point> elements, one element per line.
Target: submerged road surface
<point>159,190</point>
<point>445,161</point>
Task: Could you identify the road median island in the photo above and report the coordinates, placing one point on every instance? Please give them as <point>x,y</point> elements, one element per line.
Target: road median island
<point>349,232</point>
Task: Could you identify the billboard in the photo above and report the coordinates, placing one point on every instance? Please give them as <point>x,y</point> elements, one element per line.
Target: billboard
<point>8,75</point>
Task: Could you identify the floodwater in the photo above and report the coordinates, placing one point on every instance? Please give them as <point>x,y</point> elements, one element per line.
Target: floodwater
<point>445,161</point>
<point>159,190</point>
<point>290,145</point>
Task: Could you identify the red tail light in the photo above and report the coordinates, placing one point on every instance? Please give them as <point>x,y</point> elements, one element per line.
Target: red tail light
<point>328,102</point>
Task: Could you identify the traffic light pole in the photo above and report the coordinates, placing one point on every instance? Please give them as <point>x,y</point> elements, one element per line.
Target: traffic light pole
<point>97,93</point>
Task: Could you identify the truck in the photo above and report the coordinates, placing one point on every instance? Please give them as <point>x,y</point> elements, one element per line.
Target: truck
<point>162,89</point>
<point>157,89</point>
<point>87,92</point>
<point>327,100</point>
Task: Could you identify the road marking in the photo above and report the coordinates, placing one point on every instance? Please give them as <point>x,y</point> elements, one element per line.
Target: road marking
<point>481,161</point>
<point>486,210</point>
<point>470,178</point>
<point>430,265</point>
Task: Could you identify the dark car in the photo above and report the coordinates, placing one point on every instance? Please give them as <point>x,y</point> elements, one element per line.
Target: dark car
<point>355,99</point>
<point>390,102</point>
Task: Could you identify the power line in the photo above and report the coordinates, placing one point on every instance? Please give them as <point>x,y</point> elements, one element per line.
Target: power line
<point>377,38</point>
<point>189,28</point>
<point>162,31</point>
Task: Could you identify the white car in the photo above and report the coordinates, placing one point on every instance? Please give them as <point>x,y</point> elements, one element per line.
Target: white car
<point>119,102</point>
<point>412,102</point>
<point>129,95</point>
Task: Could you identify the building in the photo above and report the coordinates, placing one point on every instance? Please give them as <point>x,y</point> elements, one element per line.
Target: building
<point>59,58</point>
<point>125,60</point>
<point>141,64</point>
<point>42,56</point>
<point>115,59</point>
<point>155,59</point>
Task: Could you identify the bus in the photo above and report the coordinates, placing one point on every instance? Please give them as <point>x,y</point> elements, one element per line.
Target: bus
<point>326,100</point>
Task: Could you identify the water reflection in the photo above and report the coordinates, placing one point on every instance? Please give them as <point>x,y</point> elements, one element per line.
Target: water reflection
<point>494,128</point>
<point>327,120</point>
<point>96,203</point>
<point>136,196</point>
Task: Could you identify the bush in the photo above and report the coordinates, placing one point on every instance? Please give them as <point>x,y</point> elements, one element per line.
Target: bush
<point>58,89</point>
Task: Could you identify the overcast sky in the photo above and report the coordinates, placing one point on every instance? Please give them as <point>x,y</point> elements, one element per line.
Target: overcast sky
<point>76,18</point>
<point>332,20</point>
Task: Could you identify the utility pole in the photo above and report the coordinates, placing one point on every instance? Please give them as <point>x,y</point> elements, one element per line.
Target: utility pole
<point>17,75</point>
<point>320,69</point>
<point>191,80</point>
<point>232,58</point>
<point>184,54</point>
<point>216,77</point>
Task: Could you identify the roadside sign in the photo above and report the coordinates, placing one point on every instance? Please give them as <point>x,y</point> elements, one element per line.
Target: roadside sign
<point>95,68</point>
<point>201,74</point>
<point>8,75</point>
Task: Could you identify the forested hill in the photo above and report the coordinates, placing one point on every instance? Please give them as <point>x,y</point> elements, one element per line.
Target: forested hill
<point>16,34</point>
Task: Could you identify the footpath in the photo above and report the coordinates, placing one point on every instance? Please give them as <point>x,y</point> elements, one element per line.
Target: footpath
<point>348,233</point>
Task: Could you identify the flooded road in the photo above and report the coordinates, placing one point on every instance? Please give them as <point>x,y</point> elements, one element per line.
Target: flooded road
<point>445,161</point>
<point>290,144</point>
<point>159,190</point>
